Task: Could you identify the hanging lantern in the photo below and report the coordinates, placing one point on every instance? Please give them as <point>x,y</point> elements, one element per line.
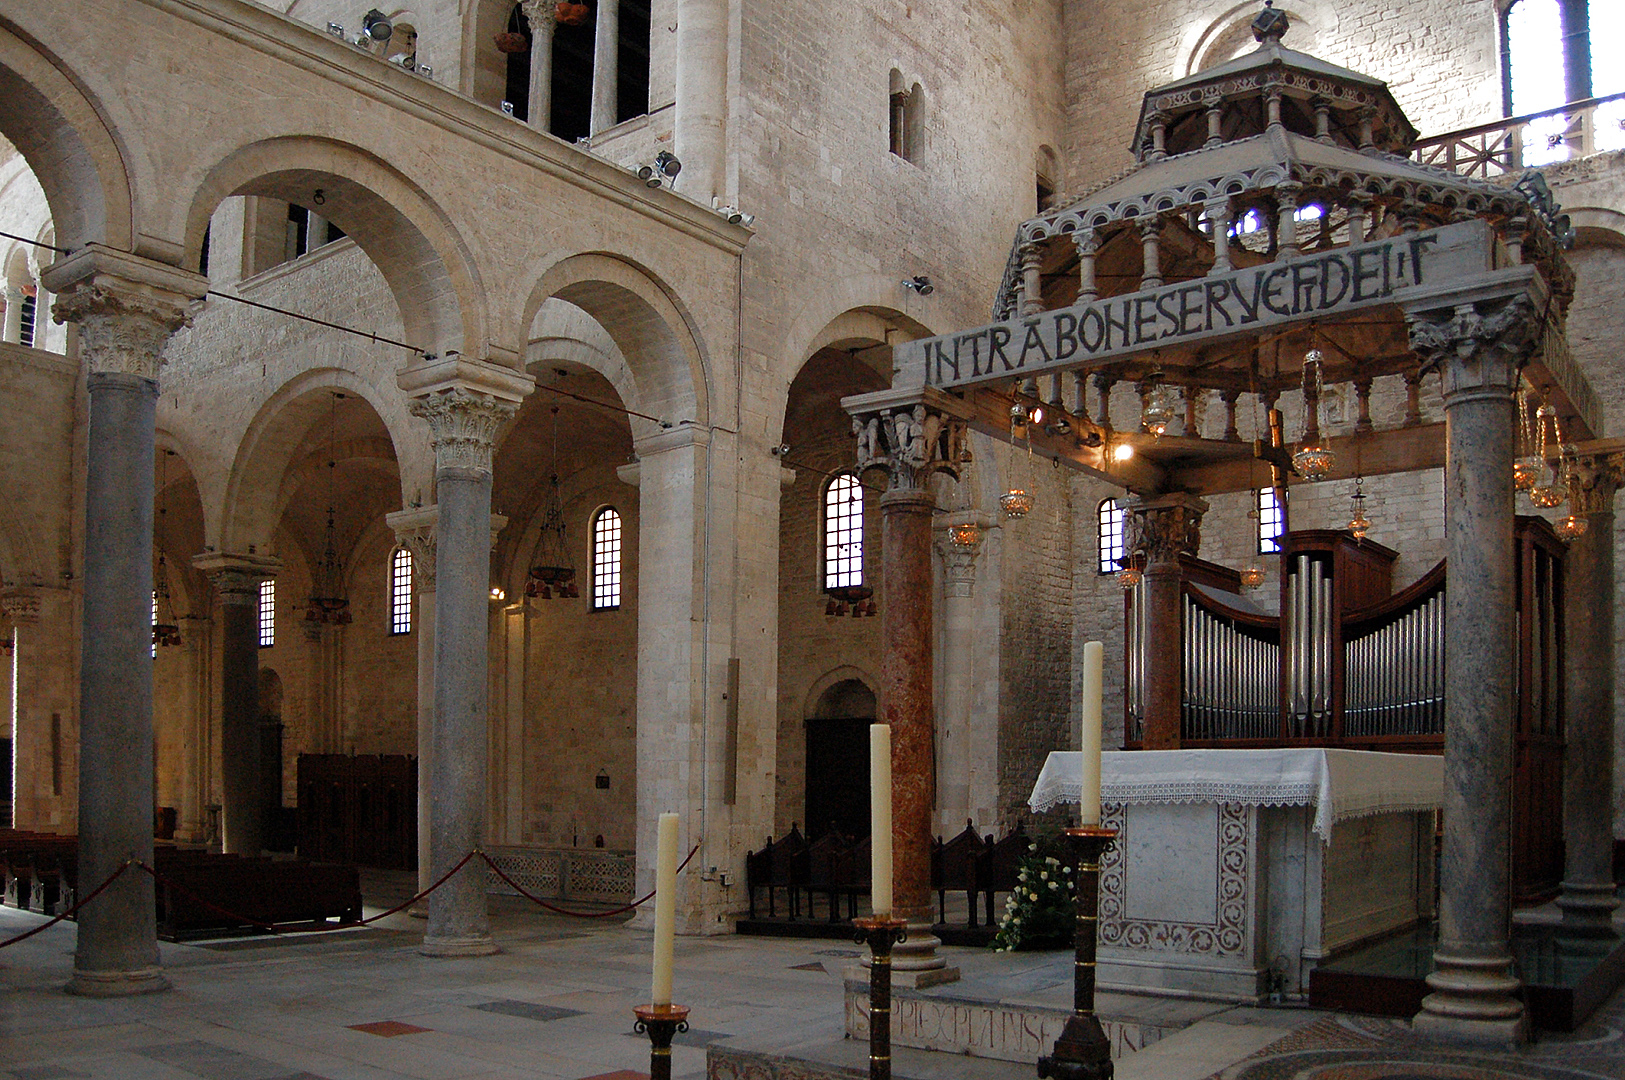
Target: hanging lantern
<point>1527,466</point>
<point>1157,409</point>
<point>569,13</point>
<point>1359,524</point>
<point>1571,527</point>
<point>1130,576</point>
<point>1016,503</point>
<point>965,535</point>
<point>511,42</point>
<point>328,605</point>
<point>1526,472</point>
<point>1314,462</point>
<point>552,574</point>
<point>165,630</point>
<point>1252,575</point>
<point>1551,493</point>
<point>853,598</point>
<point>1315,458</point>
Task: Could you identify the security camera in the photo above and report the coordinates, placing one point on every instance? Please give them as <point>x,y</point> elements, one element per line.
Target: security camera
<point>920,284</point>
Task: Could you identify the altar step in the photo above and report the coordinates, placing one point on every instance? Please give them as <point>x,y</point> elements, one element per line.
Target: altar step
<point>848,1059</point>
<point>1564,981</point>
<point>822,929</point>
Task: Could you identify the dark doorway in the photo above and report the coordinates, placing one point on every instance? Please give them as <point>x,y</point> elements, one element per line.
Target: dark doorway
<point>838,761</point>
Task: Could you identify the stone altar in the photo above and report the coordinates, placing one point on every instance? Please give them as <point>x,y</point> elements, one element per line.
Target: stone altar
<point>1237,871</point>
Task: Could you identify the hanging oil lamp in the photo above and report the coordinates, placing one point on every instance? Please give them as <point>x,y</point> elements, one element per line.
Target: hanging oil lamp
<point>1526,468</point>
<point>165,628</point>
<point>1552,492</point>
<point>1157,406</point>
<point>552,574</point>
<point>1571,527</point>
<point>1359,524</point>
<point>1314,460</point>
<point>328,605</point>
<point>1017,502</point>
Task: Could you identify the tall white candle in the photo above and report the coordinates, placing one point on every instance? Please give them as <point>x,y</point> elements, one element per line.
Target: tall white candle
<point>1094,654</point>
<point>665,908</point>
<point>880,817</point>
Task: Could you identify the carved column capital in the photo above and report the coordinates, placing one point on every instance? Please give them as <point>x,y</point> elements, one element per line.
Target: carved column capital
<point>236,578</point>
<point>120,332</point>
<point>910,435</point>
<point>1164,528</point>
<point>415,530</point>
<point>20,606</point>
<point>1593,479</point>
<point>959,559</point>
<point>1476,348</point>
<point>463,426</point>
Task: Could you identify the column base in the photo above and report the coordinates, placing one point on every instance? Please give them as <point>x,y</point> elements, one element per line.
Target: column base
<point>1588,909</point>
<point>478,945</point>
<point>1473,1002</point>
<point>117,983</point>
<point>915,963</point>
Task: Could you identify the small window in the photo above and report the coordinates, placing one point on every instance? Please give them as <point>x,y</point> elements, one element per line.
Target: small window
<point>1111,536</point>
<point>267,613</point>
<point>1271,521</point>
<point>907,120</point>
<point>843,532</point>
<point>30,310</point>
<point>400,591</point>
<point>606,559</point>
<point>155,623</point>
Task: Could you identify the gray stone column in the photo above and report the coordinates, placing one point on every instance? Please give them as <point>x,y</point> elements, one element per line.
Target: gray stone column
<point>606,65</point>
<point>1477,351</point>
<point>11,330</point>
<point>956,753</point>
<point>125,309</point>
<point>415,529</point>
<point>465,403</point>
<point>539,109</point>
<point>236,580</point>
<point>1588,899</point>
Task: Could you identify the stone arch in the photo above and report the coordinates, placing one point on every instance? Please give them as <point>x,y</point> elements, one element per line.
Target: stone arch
<point>1230,33</point>
<point>62,133</point>
<point>1598,225</point>
<point>428,265</point>
<point>832,678</point>
<point>257,487</point>
<point>836,793</point>
<point>650,326</point>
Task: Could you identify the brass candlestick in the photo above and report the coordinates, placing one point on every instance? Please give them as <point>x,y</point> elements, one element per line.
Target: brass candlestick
<point>662,1023</point>
<point>880,934</point>
<point>1082,1052</point>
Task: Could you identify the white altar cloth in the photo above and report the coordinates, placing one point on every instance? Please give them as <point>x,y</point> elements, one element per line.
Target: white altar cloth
<point>1339,784</point>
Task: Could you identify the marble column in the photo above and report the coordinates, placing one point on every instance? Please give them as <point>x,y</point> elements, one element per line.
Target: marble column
<point>1477,351</point>
<point>539,109</point>
<point>415,529</point>
<point>11,330</point>
<point>909,435</point>
<point>465,403</point>
<point>1588,899</point>
<point>125,309</point>
<point>957,755</point>
<point>236,580</point>
<point>1162,529</point>
<point>606,65</point>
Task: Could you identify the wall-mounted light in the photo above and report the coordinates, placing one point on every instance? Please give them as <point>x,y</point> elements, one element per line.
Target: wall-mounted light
<point>336,29</point>
<point>735,216</point>
<point>1122,452</point>
<point>507,108</point>
<point>498,593</point>
<point>920,284</point>
<point>780,450</point>
<point>376,25</point>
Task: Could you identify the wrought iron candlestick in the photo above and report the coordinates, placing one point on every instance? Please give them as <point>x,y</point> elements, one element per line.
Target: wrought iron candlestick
<point>1083,1052</point>
<point>880,934</point>
<point>662,1023</point>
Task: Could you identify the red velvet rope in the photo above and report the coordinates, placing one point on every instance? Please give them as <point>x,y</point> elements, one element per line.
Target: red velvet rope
<point>97,891</point>
<point>516,887</point>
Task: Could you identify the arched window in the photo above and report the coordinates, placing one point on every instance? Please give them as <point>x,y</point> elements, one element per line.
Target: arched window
<point>1111,536</point>
<point>907,125</point>
<point>606,559</point>
<point>400,591</point>
<point>1539,72</point>
<point>843,532</point>
<point>267,613</point>
<point>1271,521</point>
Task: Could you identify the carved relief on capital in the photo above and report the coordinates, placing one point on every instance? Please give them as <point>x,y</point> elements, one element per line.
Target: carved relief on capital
<point>1476,348</point>
<point>958,557</point>
<point>909,444</point>
<point>120,333</point>
<point>420,541</point>
<point>1593,479</point>
<point>1164,532</point>
<point>463,426</point>
<point>19,607</point>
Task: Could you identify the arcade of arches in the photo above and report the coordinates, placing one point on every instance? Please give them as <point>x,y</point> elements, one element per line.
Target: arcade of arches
<point>603,420</point>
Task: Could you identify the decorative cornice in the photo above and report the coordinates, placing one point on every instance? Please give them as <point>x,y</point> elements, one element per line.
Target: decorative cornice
<point>1476,348</point>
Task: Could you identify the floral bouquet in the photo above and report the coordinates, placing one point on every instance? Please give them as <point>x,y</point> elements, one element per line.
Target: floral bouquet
<point>1040,913</point>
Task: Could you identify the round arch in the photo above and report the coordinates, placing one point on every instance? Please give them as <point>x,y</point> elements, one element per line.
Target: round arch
<point>257,487</point>
<point>654,332</point>
<point>1598,225</point>
<point>62,134</point>
<point>832,678</point>
<point>1230,33</point>
<point>429,267</point>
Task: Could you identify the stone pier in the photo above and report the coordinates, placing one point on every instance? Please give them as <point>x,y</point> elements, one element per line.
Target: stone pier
<point>1162,529</point>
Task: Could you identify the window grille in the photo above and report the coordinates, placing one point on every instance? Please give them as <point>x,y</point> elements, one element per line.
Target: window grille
<point>606,559</point>
<point>267,613</point>
<point>843,532</point>
<point>400,591</point>
<point>1111,536</point>
<point>1271,521</point>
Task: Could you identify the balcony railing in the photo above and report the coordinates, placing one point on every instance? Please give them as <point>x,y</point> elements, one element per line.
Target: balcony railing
<point>1567,133</point>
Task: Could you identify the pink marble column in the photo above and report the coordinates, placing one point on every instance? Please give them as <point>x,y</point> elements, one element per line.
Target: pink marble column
<point>909,436</point>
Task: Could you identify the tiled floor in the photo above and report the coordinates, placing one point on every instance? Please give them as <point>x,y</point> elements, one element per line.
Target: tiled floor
<point>556,1004</point>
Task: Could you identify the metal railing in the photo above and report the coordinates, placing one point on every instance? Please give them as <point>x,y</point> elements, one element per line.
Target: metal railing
<point>1566,133</point>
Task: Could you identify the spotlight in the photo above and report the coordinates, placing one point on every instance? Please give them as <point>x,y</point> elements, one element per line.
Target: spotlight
<point>376,25</point>
<point>780,450</point>
<point>1036,416</point>
<point>425,70</point>
<point>336,29</point>
<point>507,108</point>
<point>734,215</point>
<point>647,174</point>
<point>1060,426</point>
<point>1122,452</point>
<point>920,284</point>
<point>498,593</point>
<point>668,165</point>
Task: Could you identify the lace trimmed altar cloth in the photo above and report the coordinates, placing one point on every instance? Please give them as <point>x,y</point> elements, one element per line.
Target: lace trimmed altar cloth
<point>1339,784</point>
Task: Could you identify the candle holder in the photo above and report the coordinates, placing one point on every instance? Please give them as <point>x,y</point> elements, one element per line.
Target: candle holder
<point>880,934</point>
<point>1082,1052</point>
<point>662,1023</point>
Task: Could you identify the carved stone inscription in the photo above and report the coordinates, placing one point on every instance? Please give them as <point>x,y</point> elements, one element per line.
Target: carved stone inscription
<point>1245,300</point>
